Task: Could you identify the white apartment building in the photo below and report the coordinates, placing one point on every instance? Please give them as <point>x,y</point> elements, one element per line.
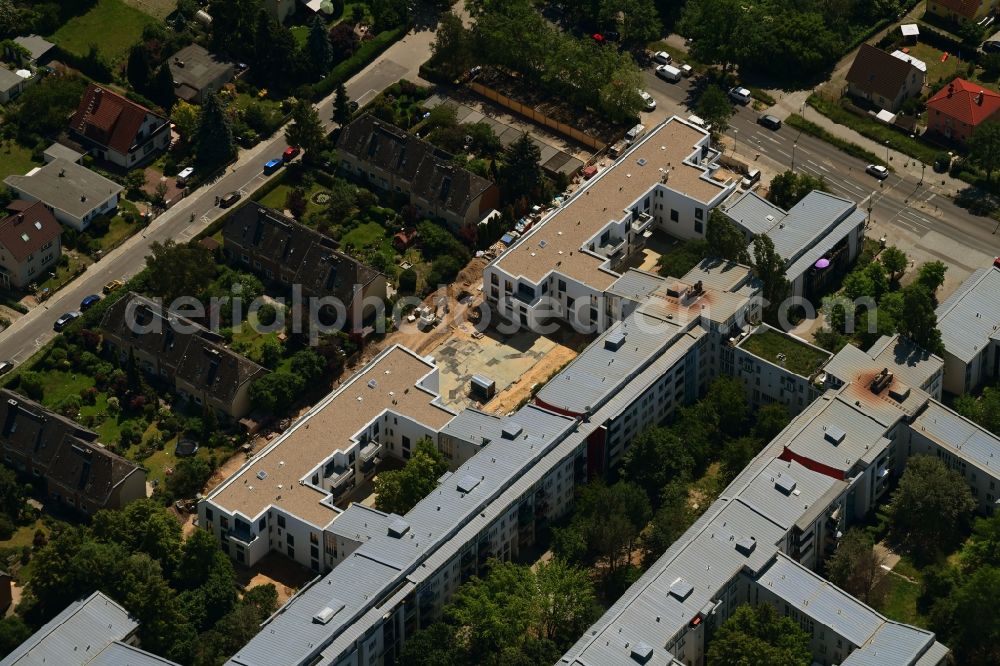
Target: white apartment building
<point>565,265</point>
<point>969,321</point>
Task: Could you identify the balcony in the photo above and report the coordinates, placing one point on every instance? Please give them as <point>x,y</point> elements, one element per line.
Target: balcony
<point>340,477</point>
<point>642,223</point>
<point>243,538</point>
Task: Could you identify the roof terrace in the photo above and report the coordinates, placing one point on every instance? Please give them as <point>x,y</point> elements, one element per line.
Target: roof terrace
<point>786,351</point>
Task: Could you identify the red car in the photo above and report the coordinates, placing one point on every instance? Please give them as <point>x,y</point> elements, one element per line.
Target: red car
<point>291,153</point>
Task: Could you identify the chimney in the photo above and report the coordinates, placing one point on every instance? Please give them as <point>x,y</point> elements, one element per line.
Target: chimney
<point>20,218</point>
<point>979,98</point>
<point>951,89</point>
<point>62,173</point>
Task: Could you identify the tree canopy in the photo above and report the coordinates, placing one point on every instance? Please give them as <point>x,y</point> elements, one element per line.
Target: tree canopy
<point>758,635</point>
<point>856,566</point>
<point>725,240</point>
<point>215,144</point>
<point>930,508</point>
<point>174,270</point>
<point>788,188</point>
<point>397,491</point>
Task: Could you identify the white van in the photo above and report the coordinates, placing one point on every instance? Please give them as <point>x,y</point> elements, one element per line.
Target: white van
<point>668,73</point>
<point>634,133</point>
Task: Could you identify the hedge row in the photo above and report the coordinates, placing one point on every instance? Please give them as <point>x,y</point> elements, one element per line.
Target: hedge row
<point>362,57</point>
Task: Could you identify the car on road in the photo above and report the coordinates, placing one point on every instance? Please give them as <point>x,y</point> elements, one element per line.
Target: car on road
<point>65,320</point>
<point>878,171</point>
<point>184,175</point>
<point>770,122</point>
<point>111,286</point>
<point>271,166</point>
<point>230,199</point>
<point>6,367</point>
<point>648,103</point>
<point>996,263</point>
<point>739,95</point>
<point>662,57</point>
<point>290,153</point>
<point>668,73</point>
<point>89,302</point>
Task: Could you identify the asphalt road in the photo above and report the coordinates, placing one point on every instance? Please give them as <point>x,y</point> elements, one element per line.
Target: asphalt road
<point>33,330</point>
<point>899,201</point>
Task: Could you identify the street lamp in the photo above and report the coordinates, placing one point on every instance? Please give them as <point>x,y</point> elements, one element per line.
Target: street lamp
<point>887,151</point>
<point>736,143</point>
<point>794,145</point>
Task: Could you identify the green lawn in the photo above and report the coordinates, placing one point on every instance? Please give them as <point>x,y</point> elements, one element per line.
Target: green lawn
<point>301,33</point>
<point>65,274</point>
<point>900,602</point>
<point>937,70</point>
<point>118,228</point>
<point>800,358</point>
<point>15,159</point>
<point>364,236</point>
<point>111,24</point>
<point>248,342</point>
<point>59,385</point>
<point>24,535</point>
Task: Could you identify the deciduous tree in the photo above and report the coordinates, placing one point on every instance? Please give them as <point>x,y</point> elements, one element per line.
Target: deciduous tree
<point>306,130</point>
<point>715,108</point>
<point>985,148</point>
<point>398,491</point>
<point>918,320</point>
<point>725,240</point>
<point>178,270</point>
<point>856,566</point>
<point>758,635</point>
<point>895,261</point>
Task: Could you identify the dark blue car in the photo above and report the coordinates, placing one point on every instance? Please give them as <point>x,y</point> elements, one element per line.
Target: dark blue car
<point>89,301</point>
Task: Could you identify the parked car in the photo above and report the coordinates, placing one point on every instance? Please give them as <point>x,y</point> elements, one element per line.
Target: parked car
<point>648,102</point>
<point>111,286</point>
<point>700,122</point>
<point>290,153</point>
<point>65,320</point>
<point>271,166</point>
<point>668,73</point>
<point>770,122</point>
<point>184,175</point>
<point>89,302</point>
<point>878,171</point>
<point>6,367</point>
<point>739,95</point>
<point>635,133</point>
<point>229,199</point>
<point>662,57</point>
<point>686,70</point>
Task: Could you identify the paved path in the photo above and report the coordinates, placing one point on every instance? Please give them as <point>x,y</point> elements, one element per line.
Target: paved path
<point>33,330</point>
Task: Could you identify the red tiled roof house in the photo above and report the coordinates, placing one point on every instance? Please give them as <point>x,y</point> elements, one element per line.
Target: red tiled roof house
<point>956,110</point>
<point>117,129</point>
<point>961,11</point>
<point>29,244</point>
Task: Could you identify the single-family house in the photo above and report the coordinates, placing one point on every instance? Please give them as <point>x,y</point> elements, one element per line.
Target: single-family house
<point>58,150</point>
<point>284,251</point>
<point>39,49</point>
<point>117,129</point>
<point>64,459</point>
<point>961,11</point>
<point>189,356</point>
<point>13,82</point>
<point>29,244</point>
<point>74,193</point>
<point>394,160</point>
<point>198,73</point>
<point>885,79</point>
<point>956,110</point>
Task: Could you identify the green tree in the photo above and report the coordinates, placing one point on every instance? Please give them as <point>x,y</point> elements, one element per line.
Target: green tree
<point>715,26</point>
<point>341,106</point>
<point>452,46</point>
<point>737,454</point>
<point>895,262</point>
<point>931,274</point>
<point>31,384</point>
<point>983,547</point>
<point>771,419</point>
<point>437,645</point>
<point>918,320</point>
<point>715,108</point>
<point>189,477</point>
<point>139,67</point>
<point>725,240</point>
<point>42,109</point>
<point>142,526</point>
<point>984,410</point>
<point>187,118</point>
<point>13,632</point>
<point>727,401</point>
<point>769,268</point>
<point>758,635</point>
<point>669,522</point>
<point>215,144</point>
<point>178,270</point>
<point>858,284</point>
<point>12,494</point>
<point>521,174</point>
<point>397,491</point>
<point>975,631</point>
<point>275,392</point>
<point>788,188</point>
<point>318,48</point>
<point>232,28</point>
<point>161,88</point>
<point>856,566</point>
<point>306,130</point>
<point>564,601</point>
<point>984,149</point>
<point>408,281</point>
<point>876,272</point>
<point>930,509</point>
<point>308,364</point>
<point>135,180</point>
<point>639,21</point>
<point>656,457</point>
